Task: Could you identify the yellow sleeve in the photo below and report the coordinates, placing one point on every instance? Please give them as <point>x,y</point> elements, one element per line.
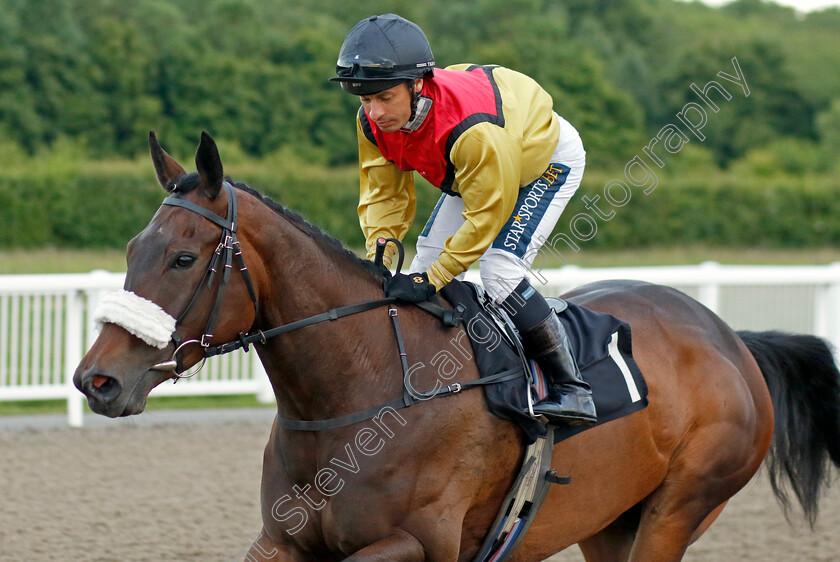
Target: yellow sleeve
<point>387,203</point>
<point>487,161</point>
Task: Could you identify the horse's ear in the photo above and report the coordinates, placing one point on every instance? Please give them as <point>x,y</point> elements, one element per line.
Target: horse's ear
<point>166,168</point>
<point>209,165</point>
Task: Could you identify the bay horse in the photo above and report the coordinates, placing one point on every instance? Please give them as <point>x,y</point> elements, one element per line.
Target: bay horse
<point>426,482</point>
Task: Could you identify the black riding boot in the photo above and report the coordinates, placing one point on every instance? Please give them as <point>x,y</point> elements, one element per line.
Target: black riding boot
<point>569,397</point>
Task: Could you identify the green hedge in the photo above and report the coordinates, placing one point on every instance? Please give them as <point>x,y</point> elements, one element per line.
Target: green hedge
<point>326,197</point>
<point>105,205</point>
<point>78,211</point>
<point>782,212</point>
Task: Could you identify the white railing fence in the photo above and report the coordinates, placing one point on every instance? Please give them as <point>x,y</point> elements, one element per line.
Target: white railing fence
<point>46,326</point>
<point>46,321</point>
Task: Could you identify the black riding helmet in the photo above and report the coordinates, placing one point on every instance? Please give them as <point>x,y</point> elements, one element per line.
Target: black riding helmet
<point>381,52</point>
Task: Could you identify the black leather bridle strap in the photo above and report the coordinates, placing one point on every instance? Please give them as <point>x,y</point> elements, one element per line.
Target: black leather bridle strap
<point>408,399</point>
<point>227,250</point>
<point>226,224</point>
<point>262,336</point>
<point>396,404</point>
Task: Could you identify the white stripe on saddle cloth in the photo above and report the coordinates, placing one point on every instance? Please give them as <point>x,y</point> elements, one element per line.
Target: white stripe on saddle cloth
<point>138,316</point>
<point>624,368</point>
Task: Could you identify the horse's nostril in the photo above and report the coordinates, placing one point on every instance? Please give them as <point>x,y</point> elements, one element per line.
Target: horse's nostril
<point>103,387</point>
<point>99,380</point>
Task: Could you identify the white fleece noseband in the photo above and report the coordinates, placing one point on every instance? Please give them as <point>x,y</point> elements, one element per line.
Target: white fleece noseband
<point>138,316</point>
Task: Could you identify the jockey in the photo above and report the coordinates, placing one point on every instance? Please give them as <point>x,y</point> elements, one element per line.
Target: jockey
<point>507,165</point>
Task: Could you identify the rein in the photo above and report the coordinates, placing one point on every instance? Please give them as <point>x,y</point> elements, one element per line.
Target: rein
<point>260,336</point>
<point>449,318</point>
<point>229,250</point>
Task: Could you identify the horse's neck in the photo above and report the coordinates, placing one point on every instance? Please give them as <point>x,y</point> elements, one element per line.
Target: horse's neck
<point>308,277</point>
<point>313,370</point>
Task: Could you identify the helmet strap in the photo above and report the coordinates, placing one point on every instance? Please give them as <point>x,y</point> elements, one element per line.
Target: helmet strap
<point>414,97</point>
<point>420,110</point>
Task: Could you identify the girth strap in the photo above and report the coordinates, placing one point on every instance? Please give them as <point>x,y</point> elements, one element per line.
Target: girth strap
<point>396,404</point>
<point>408,399</point>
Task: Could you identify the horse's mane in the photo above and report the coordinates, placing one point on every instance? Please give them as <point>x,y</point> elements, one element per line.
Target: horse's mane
<point>334,246</point>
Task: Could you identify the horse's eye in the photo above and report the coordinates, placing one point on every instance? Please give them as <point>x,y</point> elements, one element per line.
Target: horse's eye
<point>183,261</point>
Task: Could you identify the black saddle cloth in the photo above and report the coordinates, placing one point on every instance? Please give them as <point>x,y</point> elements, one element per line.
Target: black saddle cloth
<point>602,347</point>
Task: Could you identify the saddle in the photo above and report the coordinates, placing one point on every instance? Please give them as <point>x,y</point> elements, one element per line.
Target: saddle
<point>601,344</point>
<point>602,347</point>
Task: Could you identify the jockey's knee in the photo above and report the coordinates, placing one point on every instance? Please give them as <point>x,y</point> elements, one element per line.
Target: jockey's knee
<point>501,272</point>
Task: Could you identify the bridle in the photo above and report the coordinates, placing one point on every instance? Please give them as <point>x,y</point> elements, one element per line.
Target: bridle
<point>227,251</point>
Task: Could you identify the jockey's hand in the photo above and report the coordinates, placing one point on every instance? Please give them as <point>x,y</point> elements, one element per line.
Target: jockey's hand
<point>414,287</point>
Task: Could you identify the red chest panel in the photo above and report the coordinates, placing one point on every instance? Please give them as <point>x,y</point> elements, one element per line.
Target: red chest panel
<point>460,99</point>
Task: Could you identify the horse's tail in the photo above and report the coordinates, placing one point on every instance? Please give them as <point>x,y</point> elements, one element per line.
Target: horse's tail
<point>804,385</point>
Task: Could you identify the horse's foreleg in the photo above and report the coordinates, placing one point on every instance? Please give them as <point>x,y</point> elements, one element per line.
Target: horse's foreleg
<point>613,543</point>
<point>265,550</point>
<point>396,547</point>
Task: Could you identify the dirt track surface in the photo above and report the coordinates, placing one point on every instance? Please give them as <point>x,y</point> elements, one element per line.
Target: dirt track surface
<point>191,492</point>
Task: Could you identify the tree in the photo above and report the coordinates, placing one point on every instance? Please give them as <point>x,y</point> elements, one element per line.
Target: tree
<point>123,72</point>
<point>774,106</point>
<point>19,121</point>
<point>58,71</point>
<point>828,127</point>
